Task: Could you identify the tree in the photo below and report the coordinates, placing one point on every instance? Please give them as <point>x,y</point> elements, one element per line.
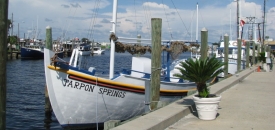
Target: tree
<point>9,24</point>
<point>12,40</point>
<point>84,40</point>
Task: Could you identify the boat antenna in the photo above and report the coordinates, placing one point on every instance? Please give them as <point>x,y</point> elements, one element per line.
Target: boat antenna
<point>180,17</point>
<point>197,24</point>
<point>169,28</point>
<point>147,15</point>
<point>135,16</point>
<point>93,20</point>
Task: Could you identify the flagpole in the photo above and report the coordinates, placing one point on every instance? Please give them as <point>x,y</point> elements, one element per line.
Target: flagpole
<point>242,24</point>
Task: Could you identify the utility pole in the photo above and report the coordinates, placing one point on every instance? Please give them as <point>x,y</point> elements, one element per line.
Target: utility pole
<point>264,23</point>
<point>250,20</point>
<point>238,20</point>
<point>3,61</point>
<point>11,24</point>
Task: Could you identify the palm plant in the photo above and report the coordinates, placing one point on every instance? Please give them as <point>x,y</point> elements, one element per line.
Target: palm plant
<point>261,57</point>
<point>200,71</point>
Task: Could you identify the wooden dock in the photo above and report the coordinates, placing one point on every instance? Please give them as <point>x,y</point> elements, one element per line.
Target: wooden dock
<point>15,54</point>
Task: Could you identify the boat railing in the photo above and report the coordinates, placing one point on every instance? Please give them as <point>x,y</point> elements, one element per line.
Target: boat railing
<point>148,75</point>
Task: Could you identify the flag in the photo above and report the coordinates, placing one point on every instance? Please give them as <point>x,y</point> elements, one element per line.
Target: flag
<point>242,23</point>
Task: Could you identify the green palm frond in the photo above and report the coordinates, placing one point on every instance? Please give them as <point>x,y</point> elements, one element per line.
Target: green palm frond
<point>200,70</point>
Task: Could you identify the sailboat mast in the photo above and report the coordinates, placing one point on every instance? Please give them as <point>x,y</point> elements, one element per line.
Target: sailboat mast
<point>36,32</point>
<point>197,23</point>
<point>112,51</point>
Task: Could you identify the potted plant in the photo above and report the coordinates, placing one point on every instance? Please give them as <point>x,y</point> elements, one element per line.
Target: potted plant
<point>261,57</point>
<point>200,71</point>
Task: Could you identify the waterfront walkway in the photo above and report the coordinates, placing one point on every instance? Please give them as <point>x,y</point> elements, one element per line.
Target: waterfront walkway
<point>247,104</point>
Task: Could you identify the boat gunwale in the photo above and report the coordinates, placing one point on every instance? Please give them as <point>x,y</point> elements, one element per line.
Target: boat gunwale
<point>107,81</point>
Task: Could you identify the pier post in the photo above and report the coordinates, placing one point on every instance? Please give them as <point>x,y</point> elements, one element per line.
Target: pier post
<point>49,44</point>
<point>48,110</point>
<point>3,61</point>
<point>139,43</point>
<point>111,124</point>
<point>239,55</point>
<point>156,61</point>
<point>247,49</point>
<point>204,43</point>
<point>253,54</point>
<point>226,44</point>
<point>262,47</point>
<point>48,107</point>
<point>147,96</point>
<point>256,53</point>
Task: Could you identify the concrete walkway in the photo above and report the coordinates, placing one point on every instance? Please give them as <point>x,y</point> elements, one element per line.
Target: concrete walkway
<point>249,105</point>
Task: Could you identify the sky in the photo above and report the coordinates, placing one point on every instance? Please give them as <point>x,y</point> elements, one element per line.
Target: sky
<point>91,18</point>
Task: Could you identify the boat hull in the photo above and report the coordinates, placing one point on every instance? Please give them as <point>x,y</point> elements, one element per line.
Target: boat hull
<point>27,53</point>
<point>79,99</point>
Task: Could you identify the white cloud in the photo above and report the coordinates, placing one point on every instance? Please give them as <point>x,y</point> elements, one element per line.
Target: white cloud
<point>77,19</point>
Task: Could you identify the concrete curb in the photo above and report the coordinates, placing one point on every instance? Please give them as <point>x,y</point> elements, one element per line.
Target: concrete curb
<point>164,117</point>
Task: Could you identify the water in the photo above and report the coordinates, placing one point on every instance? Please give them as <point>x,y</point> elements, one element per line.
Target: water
<point>26,87</point>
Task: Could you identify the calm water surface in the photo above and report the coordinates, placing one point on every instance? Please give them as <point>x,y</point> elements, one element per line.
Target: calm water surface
<point>26,86</point>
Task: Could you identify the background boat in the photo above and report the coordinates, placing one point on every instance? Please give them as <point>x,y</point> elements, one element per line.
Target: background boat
<point>33,50</point>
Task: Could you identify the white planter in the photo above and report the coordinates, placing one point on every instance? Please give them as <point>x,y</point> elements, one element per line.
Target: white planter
<point>207,108</point>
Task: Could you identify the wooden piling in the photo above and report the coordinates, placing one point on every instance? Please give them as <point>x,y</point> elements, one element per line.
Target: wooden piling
<point>49,44</point>
<point>239,55</point>
<point>247,49</point>
<point>3,61</point>
<point>156,61</point>
<point>147,96</point>
<point>256,53</point>
<point>253,56</point>
<point>48,110</point>
<point>111,124</point>
<point>139,43</point>
<point>48,107</point>
<point>226,45</point>
<point>204,43</point>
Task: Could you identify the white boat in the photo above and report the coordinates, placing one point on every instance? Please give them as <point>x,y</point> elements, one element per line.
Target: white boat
<point>97,50</point>
<point>232,56</point>
<point>79,98</point>
<point>84,49</point>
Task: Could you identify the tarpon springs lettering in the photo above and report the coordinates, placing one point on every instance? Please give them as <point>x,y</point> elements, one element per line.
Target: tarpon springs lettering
<point>112,92</point>
<point>90,88</point>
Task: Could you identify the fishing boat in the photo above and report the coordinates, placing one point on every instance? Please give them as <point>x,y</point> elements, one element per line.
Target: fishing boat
<point>33,50</point>
<point>80,98</point>
<point>97,50</point>
<point>232,56</point>
<point>84,49</point>
<point>233,47</point>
